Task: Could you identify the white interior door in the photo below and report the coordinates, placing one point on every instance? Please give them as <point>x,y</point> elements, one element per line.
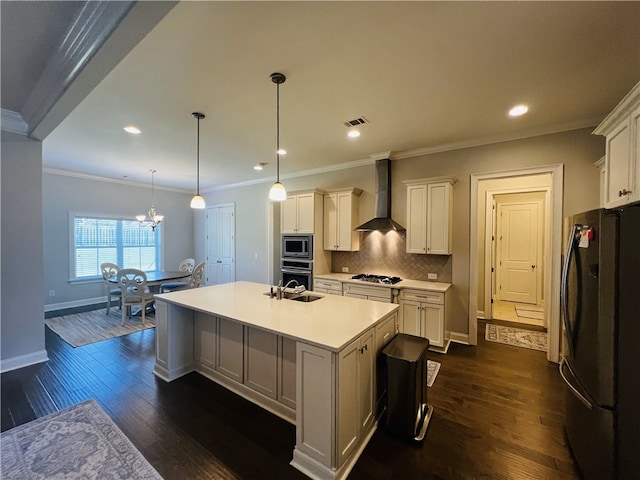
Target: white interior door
<point>220,244</point>
<point>517,251</point>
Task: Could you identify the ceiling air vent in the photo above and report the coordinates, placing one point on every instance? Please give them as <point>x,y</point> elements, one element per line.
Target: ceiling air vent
<point>356,121</point>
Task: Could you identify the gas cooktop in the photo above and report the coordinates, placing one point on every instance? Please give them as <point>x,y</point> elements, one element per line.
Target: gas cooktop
<point>386,279</point>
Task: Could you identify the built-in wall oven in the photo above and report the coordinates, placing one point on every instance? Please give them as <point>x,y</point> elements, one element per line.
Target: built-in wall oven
<point>297,269</point>
<point>297,259</point>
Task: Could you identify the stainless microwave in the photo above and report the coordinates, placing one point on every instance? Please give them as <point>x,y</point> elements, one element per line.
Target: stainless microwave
<point>297,246</point>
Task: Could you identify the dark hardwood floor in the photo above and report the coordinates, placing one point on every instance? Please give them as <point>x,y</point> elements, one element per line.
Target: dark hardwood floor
<point>497,415</point>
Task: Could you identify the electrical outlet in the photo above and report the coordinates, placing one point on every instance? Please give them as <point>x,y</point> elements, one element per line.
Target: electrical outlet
<point>345,269</point>
<point>432,276</point>
<point>255,256</point>
<point>52,293</point>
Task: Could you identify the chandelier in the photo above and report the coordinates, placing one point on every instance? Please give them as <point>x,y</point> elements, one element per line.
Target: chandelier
<point>154,218</point>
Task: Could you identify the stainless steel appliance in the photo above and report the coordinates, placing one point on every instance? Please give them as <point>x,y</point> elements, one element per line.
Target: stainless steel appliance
<point>600,300</point>
<point>297,246</point>
<point>297,269</point>
<point>386,279</point>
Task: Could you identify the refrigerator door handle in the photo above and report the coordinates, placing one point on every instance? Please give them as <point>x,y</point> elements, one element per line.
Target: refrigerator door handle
<point>586,401</point>
<point>564,287</point>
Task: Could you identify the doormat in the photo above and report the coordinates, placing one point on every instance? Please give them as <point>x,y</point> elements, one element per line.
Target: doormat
<point>80,442</point>
<point>432,372</point>
<point>84,328</point>
<point>516,337</point>
<point>532,311</point>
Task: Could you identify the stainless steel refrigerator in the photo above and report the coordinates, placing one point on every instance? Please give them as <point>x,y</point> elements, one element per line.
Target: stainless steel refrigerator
<point>601,323</point>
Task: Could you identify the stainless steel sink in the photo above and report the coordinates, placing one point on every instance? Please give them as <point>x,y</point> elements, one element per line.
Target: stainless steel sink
<point>299,297</point>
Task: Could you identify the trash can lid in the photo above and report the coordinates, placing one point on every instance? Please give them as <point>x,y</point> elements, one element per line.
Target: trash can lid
<point>406,347</point>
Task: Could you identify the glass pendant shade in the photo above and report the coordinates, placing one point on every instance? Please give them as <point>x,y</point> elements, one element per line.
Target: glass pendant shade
<point>277,193</point>
<point>198,202</point>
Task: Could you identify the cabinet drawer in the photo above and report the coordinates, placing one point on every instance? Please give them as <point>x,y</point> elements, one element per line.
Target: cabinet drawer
<point>422,296</point>
<point>382,294</point>
<point>327,284</point>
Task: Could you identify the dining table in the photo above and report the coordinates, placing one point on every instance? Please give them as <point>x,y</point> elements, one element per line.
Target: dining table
<point>155,278</point>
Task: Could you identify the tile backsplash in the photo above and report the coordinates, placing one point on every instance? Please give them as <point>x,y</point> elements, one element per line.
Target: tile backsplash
<point>385,254</point>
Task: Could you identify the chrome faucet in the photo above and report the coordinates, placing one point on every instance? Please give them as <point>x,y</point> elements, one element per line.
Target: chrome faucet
<point>280,289</point>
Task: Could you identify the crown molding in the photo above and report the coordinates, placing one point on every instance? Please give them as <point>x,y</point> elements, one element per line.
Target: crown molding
<point>303,173</point>
<point>479,142</point>
<point>622,110</point>
<point>13,122</point>
<point>119,181</point>
<point>93,25</point>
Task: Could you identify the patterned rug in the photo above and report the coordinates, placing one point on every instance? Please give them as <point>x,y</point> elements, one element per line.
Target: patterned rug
<point>80,442</point>
<point>517,337</point>
<point>432,372</point>
<point>84,328</point>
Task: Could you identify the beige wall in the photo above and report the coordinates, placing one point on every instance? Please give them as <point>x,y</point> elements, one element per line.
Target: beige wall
<point>576,150</point>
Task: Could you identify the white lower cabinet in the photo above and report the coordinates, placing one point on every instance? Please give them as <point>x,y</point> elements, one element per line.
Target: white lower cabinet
<point>385,331</point>
<point>368,292</point>
<point>247,360</point>
<point>261,361</point>
<point>230,349</point>
<point>287,371</point>
<point>351,373</point>
<point>327,285</point>
<point>423,313</point>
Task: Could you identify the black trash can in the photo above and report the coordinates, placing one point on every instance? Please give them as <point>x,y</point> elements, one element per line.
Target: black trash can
<point>408,413</point>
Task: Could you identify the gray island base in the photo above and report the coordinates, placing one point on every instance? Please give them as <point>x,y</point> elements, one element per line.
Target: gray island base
<point>311,363</point>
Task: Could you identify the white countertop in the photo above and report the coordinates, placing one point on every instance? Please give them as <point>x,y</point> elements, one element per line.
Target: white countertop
<point>331,322</point>
<point>418,284</point>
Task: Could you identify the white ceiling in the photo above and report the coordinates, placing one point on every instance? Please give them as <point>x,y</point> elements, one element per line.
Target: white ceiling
<point>427,75</point>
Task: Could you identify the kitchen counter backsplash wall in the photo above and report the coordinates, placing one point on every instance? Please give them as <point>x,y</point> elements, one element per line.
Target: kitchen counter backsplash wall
<point>385,254</point>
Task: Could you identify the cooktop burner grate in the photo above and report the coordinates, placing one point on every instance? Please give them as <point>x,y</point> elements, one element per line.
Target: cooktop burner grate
<point>386,279</point>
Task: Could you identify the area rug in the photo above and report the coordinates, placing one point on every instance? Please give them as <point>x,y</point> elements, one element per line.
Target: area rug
<point>84,328</point>
<point>532,311</point>
<point>432,372</point>
<point>80,442</point>
<point>517,337</point>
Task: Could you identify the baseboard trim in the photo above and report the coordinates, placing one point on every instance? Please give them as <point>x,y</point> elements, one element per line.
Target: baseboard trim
<point>52,307</point>
<point>22,361</point>
<point>458,337</point>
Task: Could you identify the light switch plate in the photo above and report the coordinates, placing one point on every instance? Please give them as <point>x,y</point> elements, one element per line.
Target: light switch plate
<point>345,269</point>
<point>432,276</point>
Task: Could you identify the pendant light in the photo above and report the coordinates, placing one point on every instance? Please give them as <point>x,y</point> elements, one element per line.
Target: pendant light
<point>154,218</point>
<point>278,192</point>
<point>197,201</point>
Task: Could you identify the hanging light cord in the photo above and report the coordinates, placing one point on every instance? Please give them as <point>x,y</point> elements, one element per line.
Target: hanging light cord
<point>277,132</point>
<point>198,159</point>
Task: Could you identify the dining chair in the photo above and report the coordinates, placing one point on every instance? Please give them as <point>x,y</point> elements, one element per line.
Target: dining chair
<point>185,265</point>
<point>110,272</point>
<point>133,284</point>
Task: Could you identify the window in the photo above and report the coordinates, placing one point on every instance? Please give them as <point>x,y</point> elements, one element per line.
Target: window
<point>125,242</point>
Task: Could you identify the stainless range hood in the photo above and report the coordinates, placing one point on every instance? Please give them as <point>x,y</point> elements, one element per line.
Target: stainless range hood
<point>383,221</point>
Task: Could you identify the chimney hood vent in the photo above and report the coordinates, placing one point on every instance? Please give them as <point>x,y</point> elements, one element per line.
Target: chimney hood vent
<point>383,221</point>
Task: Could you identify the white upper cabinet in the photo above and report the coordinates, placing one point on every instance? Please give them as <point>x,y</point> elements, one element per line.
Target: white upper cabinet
<point>299,212</point>
<point>340,220</point>
<point>429,215</point>
<point>622,158</point>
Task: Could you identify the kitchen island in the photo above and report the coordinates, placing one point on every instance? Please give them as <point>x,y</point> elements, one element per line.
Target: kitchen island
<point>311,363</point>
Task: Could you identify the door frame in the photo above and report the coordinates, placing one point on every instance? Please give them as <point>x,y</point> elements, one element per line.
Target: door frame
<point>491,257</point>
<point>553,255</point>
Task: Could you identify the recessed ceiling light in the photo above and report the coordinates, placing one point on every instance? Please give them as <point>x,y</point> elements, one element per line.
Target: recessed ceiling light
<point>282,151</point>
<point>518,110</point>
<point>132,129</point>
<point>353,133</point>
<point>259,166</point>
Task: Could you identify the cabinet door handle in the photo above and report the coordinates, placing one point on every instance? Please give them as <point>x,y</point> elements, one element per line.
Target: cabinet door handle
<point>624,192</point>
